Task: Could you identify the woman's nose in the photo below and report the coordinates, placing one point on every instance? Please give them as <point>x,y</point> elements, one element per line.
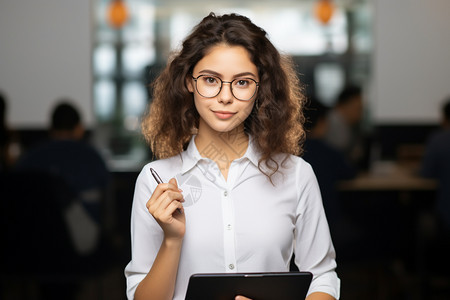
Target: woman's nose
<point>226,94</point>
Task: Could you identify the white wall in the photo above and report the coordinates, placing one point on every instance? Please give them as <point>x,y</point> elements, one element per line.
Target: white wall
<point>45,53</point>
<point>411,60</point>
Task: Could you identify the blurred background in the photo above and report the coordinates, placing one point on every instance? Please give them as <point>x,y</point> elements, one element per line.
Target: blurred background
<point>102,54</point>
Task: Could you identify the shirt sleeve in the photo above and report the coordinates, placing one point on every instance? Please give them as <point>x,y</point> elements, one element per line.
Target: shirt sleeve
<point>146,234</point>
<point>314,251</point>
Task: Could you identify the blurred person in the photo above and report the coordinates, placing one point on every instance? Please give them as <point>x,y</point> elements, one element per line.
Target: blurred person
<point>344,119</point>
<point>69,157</point>
<point>436,164</point>
<point>329,164</point>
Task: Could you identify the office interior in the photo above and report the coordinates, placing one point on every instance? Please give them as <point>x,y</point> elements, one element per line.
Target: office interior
<point>398,52</point>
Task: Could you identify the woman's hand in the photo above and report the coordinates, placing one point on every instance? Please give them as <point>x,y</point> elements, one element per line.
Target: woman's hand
<point>241,298</point>
<point>165,206</point>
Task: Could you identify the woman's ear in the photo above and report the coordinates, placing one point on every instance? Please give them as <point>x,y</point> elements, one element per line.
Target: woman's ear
<point>189,84</point>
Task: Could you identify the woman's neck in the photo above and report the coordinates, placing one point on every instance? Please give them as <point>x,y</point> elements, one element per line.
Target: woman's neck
<point>222,147</point>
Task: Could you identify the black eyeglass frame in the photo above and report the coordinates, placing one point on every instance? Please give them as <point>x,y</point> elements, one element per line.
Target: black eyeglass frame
<point>221,85</point>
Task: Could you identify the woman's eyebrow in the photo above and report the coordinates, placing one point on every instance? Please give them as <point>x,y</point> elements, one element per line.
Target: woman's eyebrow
<point>243,74</point>
<point>211,72</point>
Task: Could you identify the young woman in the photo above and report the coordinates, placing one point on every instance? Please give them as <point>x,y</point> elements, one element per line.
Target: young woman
<point>226,123</point>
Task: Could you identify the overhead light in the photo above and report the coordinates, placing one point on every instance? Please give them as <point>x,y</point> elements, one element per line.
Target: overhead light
<point>324,10</point>
<point>117,13</point>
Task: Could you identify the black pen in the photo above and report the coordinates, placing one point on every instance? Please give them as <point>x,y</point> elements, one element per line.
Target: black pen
<point>156,176</point>
<point>159,180</point>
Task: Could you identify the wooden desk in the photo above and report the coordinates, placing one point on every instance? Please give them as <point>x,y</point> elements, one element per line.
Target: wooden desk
<point>388,176</point>
<point>393,208</point>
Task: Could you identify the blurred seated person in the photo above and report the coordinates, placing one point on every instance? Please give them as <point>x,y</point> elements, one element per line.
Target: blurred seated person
<point>436,164</point>
<point>69,157</point>
<point>329,164</point>
<point>344,118</point>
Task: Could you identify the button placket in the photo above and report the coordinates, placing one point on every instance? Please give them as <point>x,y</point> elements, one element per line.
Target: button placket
<point>229,239</point>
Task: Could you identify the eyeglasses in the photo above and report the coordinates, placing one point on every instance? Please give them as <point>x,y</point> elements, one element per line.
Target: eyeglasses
<point>209,86</point>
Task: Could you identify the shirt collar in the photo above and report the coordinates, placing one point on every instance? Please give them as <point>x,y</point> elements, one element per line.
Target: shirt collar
<point>191,156</point>
<point>252,153</point>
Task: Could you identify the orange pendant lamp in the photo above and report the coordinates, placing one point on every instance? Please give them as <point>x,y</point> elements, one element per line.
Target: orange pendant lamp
<point>117,13</point>
<point>324,10</point>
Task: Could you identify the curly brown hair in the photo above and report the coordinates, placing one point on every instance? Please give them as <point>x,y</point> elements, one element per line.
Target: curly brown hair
<point>275,124</point>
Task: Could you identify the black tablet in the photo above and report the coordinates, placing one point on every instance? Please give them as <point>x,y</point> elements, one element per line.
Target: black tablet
<point>258,286</point>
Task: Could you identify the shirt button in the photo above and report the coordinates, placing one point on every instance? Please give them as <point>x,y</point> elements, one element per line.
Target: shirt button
<point>225,193</point>
<point>229,227</point>
<point>231,266</point>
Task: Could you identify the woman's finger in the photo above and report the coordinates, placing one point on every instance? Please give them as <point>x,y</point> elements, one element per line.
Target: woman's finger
<point>175,207</point>
<point>164,201</point>
<point>160,203</point>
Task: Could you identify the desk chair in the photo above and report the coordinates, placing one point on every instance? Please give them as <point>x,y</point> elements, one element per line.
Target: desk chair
<point>37,247</point>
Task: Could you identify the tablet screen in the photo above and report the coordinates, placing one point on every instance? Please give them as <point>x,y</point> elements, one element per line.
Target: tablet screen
<point>258,286</point>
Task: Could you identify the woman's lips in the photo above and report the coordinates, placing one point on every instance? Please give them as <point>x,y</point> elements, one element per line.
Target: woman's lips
<point>223,115</point>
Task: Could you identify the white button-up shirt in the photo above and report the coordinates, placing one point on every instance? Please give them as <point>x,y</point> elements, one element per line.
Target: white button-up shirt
<point>242,224</point>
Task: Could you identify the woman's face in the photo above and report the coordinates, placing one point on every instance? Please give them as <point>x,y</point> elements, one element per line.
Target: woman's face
<point>224,112</point>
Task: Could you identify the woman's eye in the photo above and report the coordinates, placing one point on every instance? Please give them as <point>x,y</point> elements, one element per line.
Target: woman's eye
<point>210,80</point>
<point>242,82</point>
